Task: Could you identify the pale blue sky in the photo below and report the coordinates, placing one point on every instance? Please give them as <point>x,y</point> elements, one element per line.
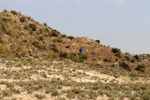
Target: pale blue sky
<point>124,24</point>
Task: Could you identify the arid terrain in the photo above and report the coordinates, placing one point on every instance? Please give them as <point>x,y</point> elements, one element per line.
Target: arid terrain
<point>39,63</point>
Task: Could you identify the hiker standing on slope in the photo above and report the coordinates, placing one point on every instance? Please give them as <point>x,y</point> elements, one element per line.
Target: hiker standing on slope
<point>80,51</point>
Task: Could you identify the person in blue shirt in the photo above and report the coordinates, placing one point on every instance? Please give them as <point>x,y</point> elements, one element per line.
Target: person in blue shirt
<point>80,51</point>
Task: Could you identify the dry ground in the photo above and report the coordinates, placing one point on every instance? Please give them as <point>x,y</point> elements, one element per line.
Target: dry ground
<point>33,79</point>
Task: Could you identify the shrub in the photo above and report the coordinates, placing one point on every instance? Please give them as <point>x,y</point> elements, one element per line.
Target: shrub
<point>54,92</point>
<point>39,96</point>
<point>4,27</point>
<point>20,50</point>
<point>6,92</point>
<point>63,54</point>
<point>5,11</point>
<point>107,60</point>
<point>145,96</point>
<point>68,46</point>
<point>70,37</point>
<point>13,32</point>
<point>6,19</point>
<point>37,44</point>
<point>137,57</point>
<point>84,56</point>
<point>98,41</point>
<point>26,27</point>
<point>14,12</point>
<point>72,56</point>
<point>140,68</point>
<point>64,35</point>
<point>22,19</point>
<point>76,90</point>
<point>124,65</point>
<point>55,49</point>
<point>54,33</point>
<point>118,55</point>
<point>32,26</point>
<point>1,31</point>
<point>45,24</point>
<point>5,51</point>
<point>52,54</point>
<point>115,50</point>
<point>127,57</point>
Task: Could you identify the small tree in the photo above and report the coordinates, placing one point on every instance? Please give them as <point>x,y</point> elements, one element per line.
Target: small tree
<point>98,41</point>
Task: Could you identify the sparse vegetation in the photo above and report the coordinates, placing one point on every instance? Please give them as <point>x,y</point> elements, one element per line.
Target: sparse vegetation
<point>32,65</point>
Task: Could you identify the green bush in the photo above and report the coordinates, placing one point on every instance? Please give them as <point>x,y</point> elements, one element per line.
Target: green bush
<point>55,49</point>
<point>63,54</point>
<point>45,24</point>
<point>137,57</point>
<point>39,96</point>
<point>6,92</point>
<point>76,90</point>
<point>107,60</point>
<point>140,68</point>
<point>14,12</point>
<point>124,65</point>
<point>37,44</point>
<point>32,26</point>
<point>98,41</point>
<point>70,37</point>
<point>22,19</point>
<point>54,33</point>
<point>64,35</point>
<point>84,56</point>
<point>115,50</point>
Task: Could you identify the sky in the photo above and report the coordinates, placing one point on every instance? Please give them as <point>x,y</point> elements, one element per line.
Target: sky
<point>123,24</point>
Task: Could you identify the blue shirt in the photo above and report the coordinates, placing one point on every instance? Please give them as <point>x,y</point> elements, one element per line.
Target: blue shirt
<point>81,49</point>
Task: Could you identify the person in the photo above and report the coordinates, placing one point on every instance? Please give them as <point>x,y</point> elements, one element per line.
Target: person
<point>80,51</point>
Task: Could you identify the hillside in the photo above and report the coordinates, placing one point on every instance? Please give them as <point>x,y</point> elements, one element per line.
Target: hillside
<point>38,62</point>
<point>21,36</point>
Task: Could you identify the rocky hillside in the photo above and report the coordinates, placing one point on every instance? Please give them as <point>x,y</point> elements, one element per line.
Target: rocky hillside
<point>21,36</point>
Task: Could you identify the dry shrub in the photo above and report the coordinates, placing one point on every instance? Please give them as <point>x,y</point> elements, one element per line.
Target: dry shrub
<point>4,27</point>
<point>38,44</point>
<point>1,31</point>
<point>52,54</point>
<point>20,50</point>
<point>6,13</point>
<point>6,19</point>
<point>13,32</point>
<point>5,51</point>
